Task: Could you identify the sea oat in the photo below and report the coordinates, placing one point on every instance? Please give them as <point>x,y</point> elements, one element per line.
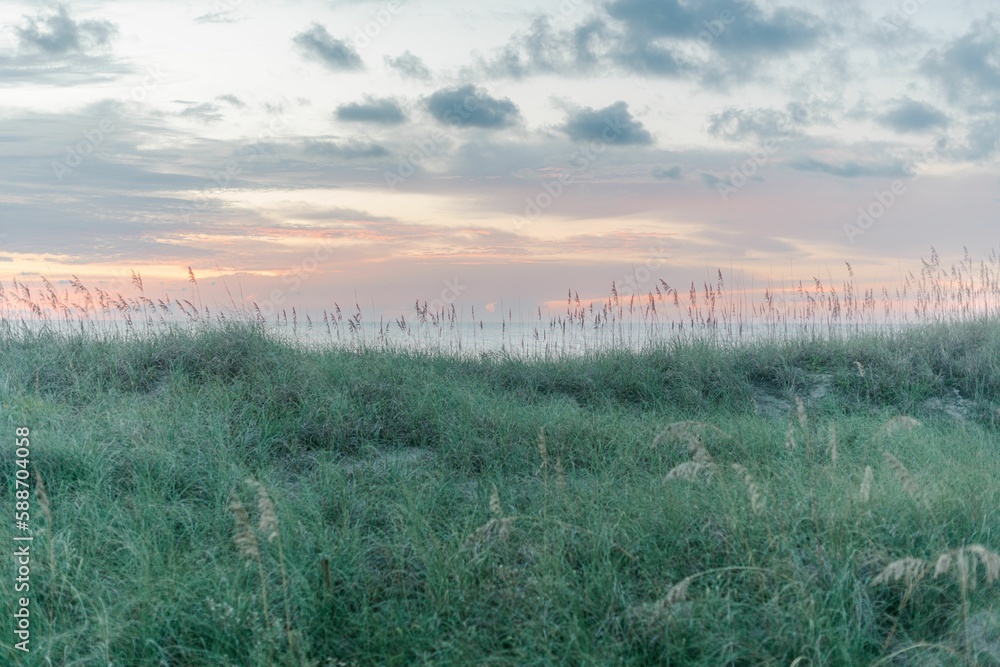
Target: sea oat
<point>966,560</point>
<point>833,443</point>
<point>560,475</point>
<point>800,410</point>
<point>268,525</point>
<point>495,508</point>
<point>790,437</point>
<point>692,471</point>
<point>652,613</point>
<point>989,559</point>
<point>542,449</point>
<point>688,432</point>
<point>492,531</point>
<point>908,570</point>
<point>905,478</point>
<point>756,499</point>
<point>900,423</point>
<point>866,486</point>
<point>245,538</point>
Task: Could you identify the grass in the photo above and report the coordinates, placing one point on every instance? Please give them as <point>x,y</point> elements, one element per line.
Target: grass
<point>214,495</point>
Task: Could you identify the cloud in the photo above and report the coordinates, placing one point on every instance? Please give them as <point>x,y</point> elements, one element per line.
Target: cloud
<point>673,173</point>
<point>59,35</point>
<point>205,112</point>
<point>738,124</point>
<point>613,124</point>
<point>233,100</point>
<point>316,43</point>
<point>851,169</point>
<point>969,67</point>
<point>409,66</point>
<point>727,26</point>
<point>647,58</point>
<point>469,106</point>
<point>384,111</point>
<point>542,50</point>
<point>352,149</point>
<point>982,139</point>
<point>912,116</point>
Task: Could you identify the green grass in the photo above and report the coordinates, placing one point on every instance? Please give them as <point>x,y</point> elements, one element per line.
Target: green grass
<point>393,550</point>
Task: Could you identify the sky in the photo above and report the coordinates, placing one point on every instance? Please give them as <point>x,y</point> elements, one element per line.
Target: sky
<point>298,152</point>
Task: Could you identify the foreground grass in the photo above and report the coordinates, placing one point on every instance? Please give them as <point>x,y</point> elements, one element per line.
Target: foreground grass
<point>394,509</point>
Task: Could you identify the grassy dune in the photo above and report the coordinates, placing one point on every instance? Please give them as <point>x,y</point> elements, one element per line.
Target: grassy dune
<point>213,496</point>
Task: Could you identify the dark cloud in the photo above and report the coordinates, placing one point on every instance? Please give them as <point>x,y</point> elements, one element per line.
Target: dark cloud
<point>851,169</point>
<point>645,58</point>
<point>729,26</point>
<point>408,66</point>
<point>59,35</point>
<point>469,106</point>
<point>352,149</point>
<point>969,67</point>
<point>912,116</point>
<point>383,111</point>
<point>673,173</point>
<point>612,124</point>
<point>318,44</point>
